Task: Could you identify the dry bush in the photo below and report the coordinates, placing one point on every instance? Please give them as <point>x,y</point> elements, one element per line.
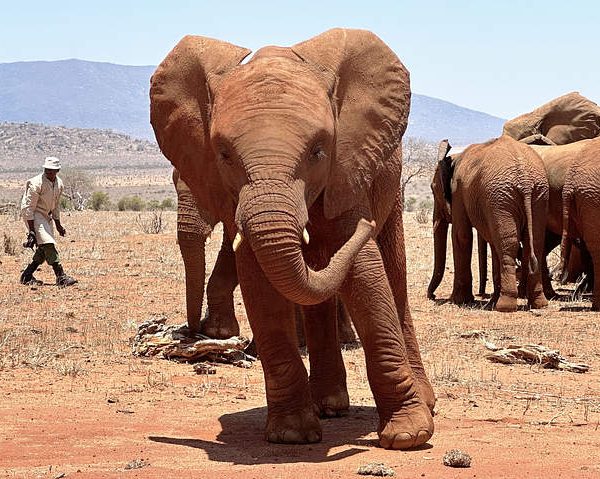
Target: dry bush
<point>11,245</point>
<point>152,225</point>
<point>423,215</point>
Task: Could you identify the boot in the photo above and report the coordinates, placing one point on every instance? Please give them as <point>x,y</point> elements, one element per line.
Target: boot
<point>27,276</point>
<point>62,279</point>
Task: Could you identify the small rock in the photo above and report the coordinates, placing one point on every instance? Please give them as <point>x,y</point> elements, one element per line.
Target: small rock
<point>457,458</point>
<point>112,400</point>
<point>375,469</point>
<point>204,368</point>
<point>136,464</point>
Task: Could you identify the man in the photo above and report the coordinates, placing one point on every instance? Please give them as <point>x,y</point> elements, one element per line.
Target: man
<point>39,206</point>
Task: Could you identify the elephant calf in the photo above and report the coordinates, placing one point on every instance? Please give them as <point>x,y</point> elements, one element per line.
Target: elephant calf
<point>581,204</point>
<point>500,189</point>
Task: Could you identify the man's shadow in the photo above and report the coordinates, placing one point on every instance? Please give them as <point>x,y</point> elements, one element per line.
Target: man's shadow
<point>242,441</point>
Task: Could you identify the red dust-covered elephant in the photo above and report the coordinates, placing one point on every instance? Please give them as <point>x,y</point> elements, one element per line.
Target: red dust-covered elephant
<point>298,153</point>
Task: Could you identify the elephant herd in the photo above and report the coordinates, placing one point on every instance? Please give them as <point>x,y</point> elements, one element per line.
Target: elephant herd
<point>523,199</point>
<point>297,152</point>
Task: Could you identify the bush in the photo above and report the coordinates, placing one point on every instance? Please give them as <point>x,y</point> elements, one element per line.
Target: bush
<point>153,205</point>
<point>131,203</point>
<point>65,203</point>
<point>99,201</point>
<point>11,245</point>
<point>152,225</point>
<point>167,204</point>
<point>410,203</point>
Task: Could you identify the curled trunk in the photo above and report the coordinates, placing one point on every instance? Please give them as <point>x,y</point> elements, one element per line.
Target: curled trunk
<point>275,240</point>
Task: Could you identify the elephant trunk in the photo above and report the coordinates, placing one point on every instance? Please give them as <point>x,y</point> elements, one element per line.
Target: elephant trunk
<point>274,232</point>
<point>440,241</point>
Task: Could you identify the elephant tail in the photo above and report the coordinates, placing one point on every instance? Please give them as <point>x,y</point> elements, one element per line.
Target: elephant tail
<point>566,243</point>
<point>533,262</point>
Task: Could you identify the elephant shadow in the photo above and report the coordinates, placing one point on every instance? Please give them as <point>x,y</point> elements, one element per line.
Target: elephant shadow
<point>241,440</point>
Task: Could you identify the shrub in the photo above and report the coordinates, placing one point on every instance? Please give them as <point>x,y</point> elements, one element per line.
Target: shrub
<point>410,203</point>
<point>99,201</point>
<point>65,203</point>
<point>152,225</point>
<point>11,245</point>
<point>153,205</point>
<point>131,203</point>
<point>167,204</point>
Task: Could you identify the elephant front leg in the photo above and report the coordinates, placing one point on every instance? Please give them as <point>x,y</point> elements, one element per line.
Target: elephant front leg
<point>220,321</point>
<point>391,244</point>
<point>405,419</point>
<point>291,413</point>
<point>327,373</point>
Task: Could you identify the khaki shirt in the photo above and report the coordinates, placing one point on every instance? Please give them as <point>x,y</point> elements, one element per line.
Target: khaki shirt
<point>41,203</point>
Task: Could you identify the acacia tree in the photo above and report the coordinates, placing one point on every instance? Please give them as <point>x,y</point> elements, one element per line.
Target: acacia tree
<point>78,187</point>
<point>418,161</point>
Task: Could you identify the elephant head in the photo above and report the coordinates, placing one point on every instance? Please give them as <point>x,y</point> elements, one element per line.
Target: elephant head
<point>442,213</point>
<point>314,123</point>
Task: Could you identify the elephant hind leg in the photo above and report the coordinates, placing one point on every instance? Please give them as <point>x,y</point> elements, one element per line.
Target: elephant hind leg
<point>220,321</point>
<point>327,373</point>
<point>507,250</point>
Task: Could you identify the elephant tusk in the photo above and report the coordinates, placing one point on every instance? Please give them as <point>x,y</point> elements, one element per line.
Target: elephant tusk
<point>305,236</point>
<point>237,241</point>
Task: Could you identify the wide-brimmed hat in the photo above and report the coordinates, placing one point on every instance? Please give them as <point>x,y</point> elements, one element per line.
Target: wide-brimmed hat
<point>51,163</point>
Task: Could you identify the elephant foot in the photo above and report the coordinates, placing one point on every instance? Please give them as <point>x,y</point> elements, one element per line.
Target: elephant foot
<point>331,404</point>
<point>539,301</point>
<point>462,298</point>
<point>506,304</point>
<point>300,428</point>
<point>549,293</point>
<point>219,326</point>
<point>425,391</point>
<point>409,427</point>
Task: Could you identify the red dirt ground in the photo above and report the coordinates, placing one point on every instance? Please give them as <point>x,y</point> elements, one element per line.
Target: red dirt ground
<point>76,402</point>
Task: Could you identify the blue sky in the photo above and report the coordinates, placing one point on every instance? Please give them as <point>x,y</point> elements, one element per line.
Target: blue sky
<point>500,57</point>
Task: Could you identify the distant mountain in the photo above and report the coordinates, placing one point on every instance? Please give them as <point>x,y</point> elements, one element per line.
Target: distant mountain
<point>83,94</point>
<point>76,93</point>
<point>433,120</point>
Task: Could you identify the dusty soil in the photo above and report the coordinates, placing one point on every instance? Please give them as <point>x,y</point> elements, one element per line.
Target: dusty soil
<point>76,403</point>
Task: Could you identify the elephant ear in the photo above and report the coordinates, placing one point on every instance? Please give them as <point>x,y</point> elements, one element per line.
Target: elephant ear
<point>371,98</point>
<point>180,100</point>
<point>442,179</point>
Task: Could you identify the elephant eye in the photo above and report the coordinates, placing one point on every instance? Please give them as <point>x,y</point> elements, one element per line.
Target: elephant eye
<point>225,157</point>
<point>317,154</point>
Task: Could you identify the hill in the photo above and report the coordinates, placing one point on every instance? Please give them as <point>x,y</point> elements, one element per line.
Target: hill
<point>83,94</point>
<point>24,145</point>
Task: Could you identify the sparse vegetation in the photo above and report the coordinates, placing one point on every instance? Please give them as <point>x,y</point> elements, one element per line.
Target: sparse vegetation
<point>153,224</point>
<point>11,244</point>
<point>99,200</point>
<point>131,203</point>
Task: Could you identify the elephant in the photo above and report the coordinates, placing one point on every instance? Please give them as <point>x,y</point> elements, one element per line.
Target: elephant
<point>581,203</point>
<point>298,152</point>
<point>500,189</point>
<point>194,225</point>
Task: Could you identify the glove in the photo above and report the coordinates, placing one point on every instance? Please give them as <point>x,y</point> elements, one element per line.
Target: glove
<point>61,230</point>
<point>31,240</point>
